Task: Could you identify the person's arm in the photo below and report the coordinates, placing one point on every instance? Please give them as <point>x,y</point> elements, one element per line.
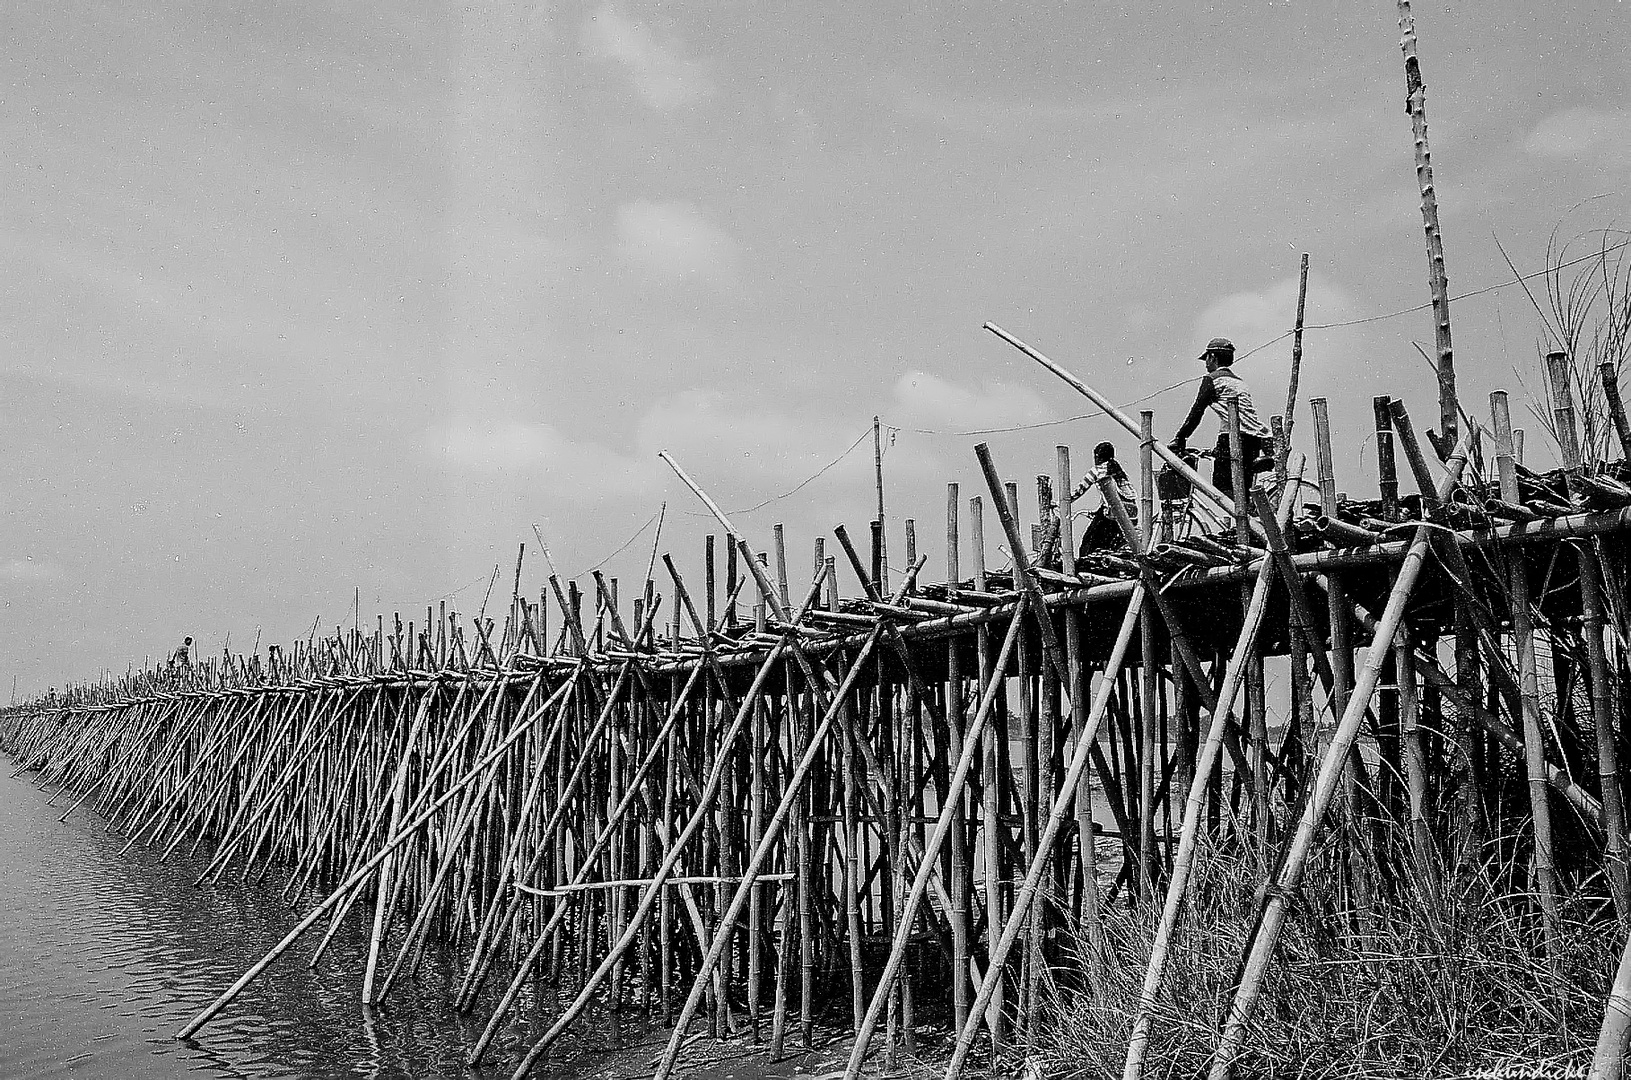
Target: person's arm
<point>1207,395</point>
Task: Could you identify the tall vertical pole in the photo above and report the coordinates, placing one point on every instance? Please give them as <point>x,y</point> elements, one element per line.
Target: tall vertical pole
<point>1523,629</point>
<point>1437,280</point>
<point>1256,725</point>
<point>1088,918</point>
<point>1387,468</point>
<point>990,778</point>
<point>1602,688</point>
<point>1342,671</point>
<point>1150,686</point>
<point>1283,449</point>
<point>954,751</point>
<point>877,469</point>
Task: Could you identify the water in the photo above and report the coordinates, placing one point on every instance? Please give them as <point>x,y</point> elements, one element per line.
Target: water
<point>103,957</point>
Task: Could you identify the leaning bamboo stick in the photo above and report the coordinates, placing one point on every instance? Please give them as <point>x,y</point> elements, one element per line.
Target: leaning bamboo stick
<point>392,843</point>
<point>773,829</point>
<point>1614,1037</point>
<point>676,847</point>
<point>1277,898</point>
<point>1182,859</point>
<point>992,679</point>
<point>1061,807</point>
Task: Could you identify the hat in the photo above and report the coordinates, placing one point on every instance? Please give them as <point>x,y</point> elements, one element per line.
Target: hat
<point>1218,344</point>
<point>1104,452</point>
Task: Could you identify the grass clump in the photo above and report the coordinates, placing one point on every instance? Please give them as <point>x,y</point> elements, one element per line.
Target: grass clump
<point>1422,986</point>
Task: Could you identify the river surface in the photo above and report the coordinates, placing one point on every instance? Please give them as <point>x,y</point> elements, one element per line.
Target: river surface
<point>104,956</point>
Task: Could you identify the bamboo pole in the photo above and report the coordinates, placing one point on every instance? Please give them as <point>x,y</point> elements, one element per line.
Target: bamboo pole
<point>1437,279</point>
<point>990,777</point>
<point>1610,378</point>
<point>1523,632</point>
<point>1089,918</point>
<point>1614,1037</point>
<point>1149,675</point>
<point>954,800</point>
<point>1341,659</point>
<point>1284,449</point>
<point>1423,850</point>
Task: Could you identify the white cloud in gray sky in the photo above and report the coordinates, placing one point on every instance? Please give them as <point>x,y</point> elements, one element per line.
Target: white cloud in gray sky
<point>28,570</point>
<point>1582,133</point>
<point>674,239</point>
<point>659,68</point>
<point>928,400</point>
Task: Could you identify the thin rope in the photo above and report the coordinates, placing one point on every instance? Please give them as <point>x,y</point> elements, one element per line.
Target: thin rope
<point>795,489</point>
<point>1475,292</point>
<point>625,546</point>
<point>1043,423</point>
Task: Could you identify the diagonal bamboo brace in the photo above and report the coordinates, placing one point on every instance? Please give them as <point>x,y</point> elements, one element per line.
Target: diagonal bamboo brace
<point>1278,898</point>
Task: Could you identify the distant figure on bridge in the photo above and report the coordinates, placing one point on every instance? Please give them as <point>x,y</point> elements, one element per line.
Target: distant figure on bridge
<point>1102,533</point>
<point>1218,389</point>
<point>182,657</point>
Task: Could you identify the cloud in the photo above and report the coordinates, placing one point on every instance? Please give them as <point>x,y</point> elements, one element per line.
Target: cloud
<point>1252,318</point>
<point>674,240</point>
<point>483,445</point>
<point>1335,359</point>
<point>927,401</point>
<point>29,569</point>
<point>1580,134</point>
<point>659,69</point>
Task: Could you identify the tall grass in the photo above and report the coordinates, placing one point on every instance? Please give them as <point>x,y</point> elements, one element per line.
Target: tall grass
<point>1429,987</point>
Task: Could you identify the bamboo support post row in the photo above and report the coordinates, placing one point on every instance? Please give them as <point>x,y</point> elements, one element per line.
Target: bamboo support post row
<point>716,813</point>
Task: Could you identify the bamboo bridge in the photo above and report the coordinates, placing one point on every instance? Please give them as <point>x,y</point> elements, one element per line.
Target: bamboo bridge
<point>737,799</point>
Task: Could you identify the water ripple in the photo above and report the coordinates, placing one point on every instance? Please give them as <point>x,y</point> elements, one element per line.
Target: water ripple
<point>103,956</point>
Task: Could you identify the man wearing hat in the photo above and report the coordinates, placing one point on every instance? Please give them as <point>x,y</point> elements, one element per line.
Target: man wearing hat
<point>1218,389</point>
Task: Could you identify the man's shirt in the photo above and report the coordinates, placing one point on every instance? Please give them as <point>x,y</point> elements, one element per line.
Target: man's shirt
<point>1218,389</point>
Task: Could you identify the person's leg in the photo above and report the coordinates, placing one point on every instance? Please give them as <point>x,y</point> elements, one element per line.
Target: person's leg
<point>1222,477</point>
<point>1259,455</point>
<point>1101,533</point>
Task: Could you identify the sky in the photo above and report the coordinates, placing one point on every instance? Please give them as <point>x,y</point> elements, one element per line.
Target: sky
<point>316,308</point>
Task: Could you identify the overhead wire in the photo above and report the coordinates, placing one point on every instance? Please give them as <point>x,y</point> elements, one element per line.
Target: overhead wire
<point>1010,428</point>
<point>624,546</point>
<point>1519,279</point>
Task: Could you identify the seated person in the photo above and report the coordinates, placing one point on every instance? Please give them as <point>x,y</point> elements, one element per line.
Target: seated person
<point>1102,532</point>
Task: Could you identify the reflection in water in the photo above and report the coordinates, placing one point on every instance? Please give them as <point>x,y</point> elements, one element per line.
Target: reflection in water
<point>103,957</point>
